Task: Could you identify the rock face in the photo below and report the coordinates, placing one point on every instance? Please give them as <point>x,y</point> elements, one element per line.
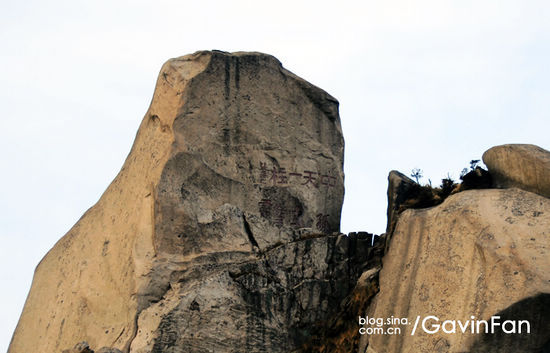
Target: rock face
<point>399,186</point>
<point>269,304</point>
<point>339,334</point>
<point>220,231</point>
<point>221,234</point>
<point>480,253</point>
<point>524,166</point>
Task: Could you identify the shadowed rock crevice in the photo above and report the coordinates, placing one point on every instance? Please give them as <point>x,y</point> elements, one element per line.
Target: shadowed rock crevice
<point>340,332</point>
<point>248,231</point>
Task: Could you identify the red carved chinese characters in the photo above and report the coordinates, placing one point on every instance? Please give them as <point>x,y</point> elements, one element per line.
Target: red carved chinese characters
<point>280,208</point>
<point>310,179</point>
<point>263,172</point>
<point>279,176</point>
<point>279,215</point>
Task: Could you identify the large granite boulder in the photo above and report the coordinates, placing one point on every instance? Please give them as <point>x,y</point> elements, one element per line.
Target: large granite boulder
<point>220,233</point>
<point>481,253</point>
<point>524,166</point>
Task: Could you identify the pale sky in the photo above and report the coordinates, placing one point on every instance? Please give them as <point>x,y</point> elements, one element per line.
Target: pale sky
<point>426,83</point>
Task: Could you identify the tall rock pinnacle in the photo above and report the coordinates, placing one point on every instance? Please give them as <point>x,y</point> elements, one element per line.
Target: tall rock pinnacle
<point>218,232</point>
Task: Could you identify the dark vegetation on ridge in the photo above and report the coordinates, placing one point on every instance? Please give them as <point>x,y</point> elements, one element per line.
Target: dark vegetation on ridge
<point>423,196</point>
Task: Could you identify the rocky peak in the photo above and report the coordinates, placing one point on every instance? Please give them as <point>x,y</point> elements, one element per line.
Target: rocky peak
<point>221,231</point>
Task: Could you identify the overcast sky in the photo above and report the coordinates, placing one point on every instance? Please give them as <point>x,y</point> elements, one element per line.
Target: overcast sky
<point>427,84</point>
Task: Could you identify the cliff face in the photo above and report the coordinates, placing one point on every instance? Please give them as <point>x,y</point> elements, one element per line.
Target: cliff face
<point>221,230</point>
<point>482,254</point>
<point>478,254</point>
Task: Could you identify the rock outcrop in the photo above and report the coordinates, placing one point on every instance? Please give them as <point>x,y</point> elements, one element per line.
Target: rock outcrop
<point>339,334</point>
<point>399,188</point>
<point>523,166</point>
<point>479,254</point>
<point>220,233</point>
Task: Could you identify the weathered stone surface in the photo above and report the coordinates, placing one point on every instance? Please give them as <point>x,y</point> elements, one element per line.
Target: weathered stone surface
<point>480,253</point>
<point>202,239</point>
<point>273,303</point>
<point>108,350</point>
<point>398,186</point>
<point>524,166</point>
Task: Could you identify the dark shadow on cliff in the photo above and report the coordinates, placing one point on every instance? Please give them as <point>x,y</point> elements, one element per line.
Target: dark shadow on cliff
<point>536,310</point>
